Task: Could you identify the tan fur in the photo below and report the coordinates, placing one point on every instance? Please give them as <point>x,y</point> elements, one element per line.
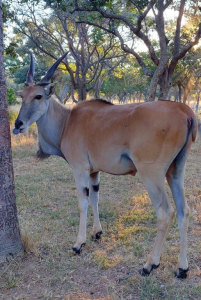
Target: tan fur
<point>150,138</point>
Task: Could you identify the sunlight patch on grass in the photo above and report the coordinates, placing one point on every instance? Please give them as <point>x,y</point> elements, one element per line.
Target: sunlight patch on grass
<point>128,233</point>
<point>106,261</point>
<point>132,223</point>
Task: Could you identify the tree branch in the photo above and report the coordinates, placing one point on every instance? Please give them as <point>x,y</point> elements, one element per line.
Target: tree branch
<point>125,48</point>
<point>183,52</point>
<point>126,21</point>
<point>178,28</point>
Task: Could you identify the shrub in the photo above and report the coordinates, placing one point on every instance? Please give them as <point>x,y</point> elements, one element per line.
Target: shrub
<point>11,96</point>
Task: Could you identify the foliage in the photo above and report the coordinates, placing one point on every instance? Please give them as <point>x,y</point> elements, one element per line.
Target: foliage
<point>50,35</point>
<point>11,97</point>
<point>134,26</point>
<point>7,14</point>
<point>43,31</point>
<point>127,82</point>
<point>20,74</point>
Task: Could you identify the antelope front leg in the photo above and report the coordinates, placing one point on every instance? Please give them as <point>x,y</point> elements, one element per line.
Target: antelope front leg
<point>82,183</point>
<point>94,198</point>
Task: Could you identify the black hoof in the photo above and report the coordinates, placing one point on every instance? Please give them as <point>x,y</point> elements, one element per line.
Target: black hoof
<point>181,273</point>
<point>78,251</point>
<point>145,272</point>
<point>97,236</point>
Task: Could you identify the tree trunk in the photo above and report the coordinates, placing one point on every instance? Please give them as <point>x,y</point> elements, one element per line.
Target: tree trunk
<point>82,93</point>
<point>198,94</point>
<point>160,71</point>
<point>152,89</point>
<point>180,91</point>
<point>63,93</point>
<point>165,83</point>
<point>198,102</point>
<point>10,240</point>
<point>97,88</point>
<point>175,95</point>
<point>186,89</point>
<point>186,93</point>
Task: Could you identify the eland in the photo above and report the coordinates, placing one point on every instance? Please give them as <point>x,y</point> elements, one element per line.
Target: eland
<point>151,138</point>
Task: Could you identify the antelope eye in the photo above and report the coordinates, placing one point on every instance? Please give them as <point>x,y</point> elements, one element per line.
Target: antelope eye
<point>38,97</point>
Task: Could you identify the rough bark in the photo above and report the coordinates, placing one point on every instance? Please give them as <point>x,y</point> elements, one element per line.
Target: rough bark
<point>10,240</point>
<point>165,83</point>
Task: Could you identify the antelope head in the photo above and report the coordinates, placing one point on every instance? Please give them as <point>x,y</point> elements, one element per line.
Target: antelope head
<point>35,97</point>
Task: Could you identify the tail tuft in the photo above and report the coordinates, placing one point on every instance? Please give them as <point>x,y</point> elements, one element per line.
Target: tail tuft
<point>192,127</point>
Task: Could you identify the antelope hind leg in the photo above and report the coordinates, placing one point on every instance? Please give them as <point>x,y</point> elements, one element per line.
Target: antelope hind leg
<point>94,199</point>
<point>156,189</point>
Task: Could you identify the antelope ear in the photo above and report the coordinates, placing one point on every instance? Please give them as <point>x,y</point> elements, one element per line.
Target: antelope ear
<point>49,90</point>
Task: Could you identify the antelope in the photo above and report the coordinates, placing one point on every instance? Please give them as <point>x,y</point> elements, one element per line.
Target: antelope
<point>152,138</point>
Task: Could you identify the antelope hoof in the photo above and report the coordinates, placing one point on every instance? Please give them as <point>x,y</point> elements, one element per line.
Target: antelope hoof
<point>181,273</point>
<point>97,236</point>
<point>145,272</point>
<point>78,250</point>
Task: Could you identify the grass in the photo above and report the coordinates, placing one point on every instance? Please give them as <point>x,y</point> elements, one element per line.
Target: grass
<point>13,113</point>
<point>48,217</point>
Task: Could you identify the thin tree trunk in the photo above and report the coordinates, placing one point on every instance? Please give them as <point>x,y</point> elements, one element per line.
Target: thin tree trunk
<point>10,240</point>
<point>198,94</point>
<point>198,102</point>
<point>98,88</point>
<point>180,91</point>
<point>186,89</point>
<point>82,93</point>
<point>186,93</point>
<point>62,95</point>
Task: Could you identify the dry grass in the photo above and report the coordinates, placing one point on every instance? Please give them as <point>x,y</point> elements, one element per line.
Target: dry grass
<point>108,270</point>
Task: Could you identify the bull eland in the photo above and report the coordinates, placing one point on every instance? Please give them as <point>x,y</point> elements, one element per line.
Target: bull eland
<point>151,138</point>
